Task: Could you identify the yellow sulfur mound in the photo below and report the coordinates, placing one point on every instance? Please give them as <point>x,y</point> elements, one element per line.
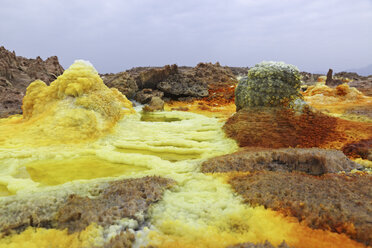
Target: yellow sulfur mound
<point>76,107</point>
<point>39,237</point>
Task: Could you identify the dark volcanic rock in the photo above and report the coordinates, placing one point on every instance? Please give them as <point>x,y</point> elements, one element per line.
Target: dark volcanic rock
<point>151,78</point>
<point>179,86</point>
<point>329,77</point>
<point>313,161</point>
<point>330,81</point>
<point>184,83</point>
<point>17,72</point>
<point>340,203</point>
<point>123,82</point>
<point>145,95</point>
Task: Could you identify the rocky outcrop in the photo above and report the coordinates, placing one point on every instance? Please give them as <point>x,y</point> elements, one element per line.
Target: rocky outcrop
<point>309,78</point>
<point>156,104</point>
<point>183,83</point>
<point>330,81</point>
<point>17,72</point>
<point>10,99</point>
<point>20,71</point>
<point>363,84</point>
<point>122,81</point>
<point>145,95</point>
<point>172,82</point>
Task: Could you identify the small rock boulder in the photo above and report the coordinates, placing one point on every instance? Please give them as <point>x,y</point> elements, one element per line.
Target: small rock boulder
<point>156,104</point>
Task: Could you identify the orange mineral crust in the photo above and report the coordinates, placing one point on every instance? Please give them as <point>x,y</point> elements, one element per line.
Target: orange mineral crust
<point>279,127</point>
<point>210,109</point>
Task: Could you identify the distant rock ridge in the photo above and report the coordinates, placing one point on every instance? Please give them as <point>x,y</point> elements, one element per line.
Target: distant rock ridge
<point>171,82</point>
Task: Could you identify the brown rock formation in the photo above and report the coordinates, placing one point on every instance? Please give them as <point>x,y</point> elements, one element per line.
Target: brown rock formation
<point>340,203</point>
<point>330,81</point>
<point>107,203</point>
<point>122,81</point>
<point>313,161</point>
<point>329,77</point>
<point>145,95</point>
<point>156,104</point>
<point>17,72</point>
<point>186,83</point>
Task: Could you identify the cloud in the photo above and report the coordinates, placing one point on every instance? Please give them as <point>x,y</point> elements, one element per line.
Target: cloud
<point>115,35</point>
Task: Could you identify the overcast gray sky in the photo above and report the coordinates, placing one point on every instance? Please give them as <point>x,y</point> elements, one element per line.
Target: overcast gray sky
<point>117,35</point>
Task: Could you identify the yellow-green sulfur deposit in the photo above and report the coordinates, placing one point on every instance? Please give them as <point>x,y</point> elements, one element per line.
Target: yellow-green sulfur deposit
<point>77,133</point>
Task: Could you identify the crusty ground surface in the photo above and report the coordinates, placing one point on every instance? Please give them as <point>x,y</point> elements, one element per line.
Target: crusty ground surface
<point>282,128</point>
<point>338,202</point>
<point>121,199</point>
<point>263,245</point>
<point>313,161</point>
<point>103,204</point>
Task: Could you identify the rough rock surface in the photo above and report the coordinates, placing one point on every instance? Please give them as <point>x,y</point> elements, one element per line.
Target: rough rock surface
<point>313,161</point>
<point>349,75</point>
<point>10,100</point>
<point>361,149</point>
<point>125,83</point>
<point>279,127</point>
<point>17,72</point>
<point>364,84</point>
<point>330,81</point>
<point>145,95</point>
<point>309,78</point>
<point>340,203</point>
<point>239,71</point>
<point>118,199</point>
<point>180,83</point>
<point>156,104</point>
<point>263,245</point>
